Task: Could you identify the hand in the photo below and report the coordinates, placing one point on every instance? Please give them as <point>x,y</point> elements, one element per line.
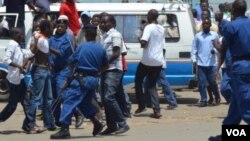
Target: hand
<point>216,43</point>
<point>212,51</point>
<point>195,67</point>
<point>21,69</point>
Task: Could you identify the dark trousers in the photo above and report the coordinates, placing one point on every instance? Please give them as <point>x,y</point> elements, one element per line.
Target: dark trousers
<point>17,94</point>
<point>152,74</point>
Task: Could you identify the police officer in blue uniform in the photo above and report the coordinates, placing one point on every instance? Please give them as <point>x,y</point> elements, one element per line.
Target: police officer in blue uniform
<point>237,40</point>
<point>61,48</point>
<point>89,59</point>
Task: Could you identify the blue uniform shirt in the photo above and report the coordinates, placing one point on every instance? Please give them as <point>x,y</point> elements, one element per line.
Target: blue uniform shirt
<point>237,38</point>
<point>63,44</point>
<point>90,57</point>
<point>202,47</point>
<point>222,26</point>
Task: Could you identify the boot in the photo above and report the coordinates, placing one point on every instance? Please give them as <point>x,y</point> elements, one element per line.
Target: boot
<point>79,121</point>
<point>62,134</point>
<point>98,125</point>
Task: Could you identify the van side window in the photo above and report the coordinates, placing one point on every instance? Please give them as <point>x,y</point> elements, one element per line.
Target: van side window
<point>130,26</point>
<point>4,28</point>
<point>170,24</point>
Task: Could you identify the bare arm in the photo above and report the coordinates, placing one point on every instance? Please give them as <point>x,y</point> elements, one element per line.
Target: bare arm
<point>115,55</point>
<point>54,51</point>
<point>143,43</point>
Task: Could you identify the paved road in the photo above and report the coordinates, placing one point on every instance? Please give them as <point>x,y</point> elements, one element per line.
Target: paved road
<point>187,123</point>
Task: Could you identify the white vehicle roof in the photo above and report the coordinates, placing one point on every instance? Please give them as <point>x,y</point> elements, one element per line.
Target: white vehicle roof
<point>125,7</point>
<point>120,7</point>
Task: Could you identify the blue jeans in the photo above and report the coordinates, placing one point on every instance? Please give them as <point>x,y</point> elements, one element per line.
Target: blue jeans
<point>206,74</point>
<point>123,99</point>
<point>226,89</point>
<point>41,90</point>
<point>151,73</point>
<point>109,84</point>
<point>79,95</point>
<point>17,94</point>
<point>169,95</point>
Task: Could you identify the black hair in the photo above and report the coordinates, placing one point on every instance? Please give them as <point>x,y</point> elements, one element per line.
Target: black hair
<point>44,25</point>
<point>222,7</point>
<point>154,14</point>
<point>194,12</point>
<point>96,15</point>
<point>240,7</point>
<point>13,32</point>
<point>91,32</point>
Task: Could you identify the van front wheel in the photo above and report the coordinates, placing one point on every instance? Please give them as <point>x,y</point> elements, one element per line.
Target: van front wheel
<point>4,86</point>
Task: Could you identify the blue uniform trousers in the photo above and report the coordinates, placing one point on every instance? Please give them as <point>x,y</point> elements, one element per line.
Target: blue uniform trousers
<point>240,101</point>
<point>79,96</point>
<point>58,79</point>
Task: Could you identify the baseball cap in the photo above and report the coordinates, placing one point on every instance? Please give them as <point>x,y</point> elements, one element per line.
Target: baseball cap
<point>62,19</point>
<point>87,13</point>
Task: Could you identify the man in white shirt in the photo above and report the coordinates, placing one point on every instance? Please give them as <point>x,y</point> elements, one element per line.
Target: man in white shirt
<point>112,42</point>
<point>14,57</point>
<point>152,42</point>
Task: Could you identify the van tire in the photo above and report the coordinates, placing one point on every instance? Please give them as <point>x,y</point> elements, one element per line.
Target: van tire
<point>4,86</point>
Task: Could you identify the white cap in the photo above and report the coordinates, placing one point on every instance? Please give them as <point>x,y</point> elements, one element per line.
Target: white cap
<point>63,17</point>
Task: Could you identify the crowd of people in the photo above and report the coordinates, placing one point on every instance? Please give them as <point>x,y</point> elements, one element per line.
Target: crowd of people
<point>71,61</point>
<point>223,47</point>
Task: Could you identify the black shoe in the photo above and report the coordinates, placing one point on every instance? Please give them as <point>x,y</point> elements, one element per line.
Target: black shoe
<point>26,129</point>
<point>210,101</point>
<point>215,138</point>
<point>137,111</point>
<point>122,129</point>
<point>127,115</point>
<point>51,128</point>
<point>98,125</point>
<point>79,121</point>
<point>108,131</point>
<point>217,101</point>
<point>62,134</point>
<point>156,115</point>
<point>203,105</point>
<point>171,107</point>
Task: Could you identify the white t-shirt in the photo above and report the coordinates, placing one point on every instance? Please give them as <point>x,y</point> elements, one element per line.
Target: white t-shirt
<point>153,52</point>
<point>43,45</point>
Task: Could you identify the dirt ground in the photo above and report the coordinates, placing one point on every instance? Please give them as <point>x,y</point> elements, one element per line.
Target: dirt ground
<point>187,122</point>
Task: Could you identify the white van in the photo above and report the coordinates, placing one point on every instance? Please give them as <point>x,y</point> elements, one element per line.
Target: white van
<point>130,17</point>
